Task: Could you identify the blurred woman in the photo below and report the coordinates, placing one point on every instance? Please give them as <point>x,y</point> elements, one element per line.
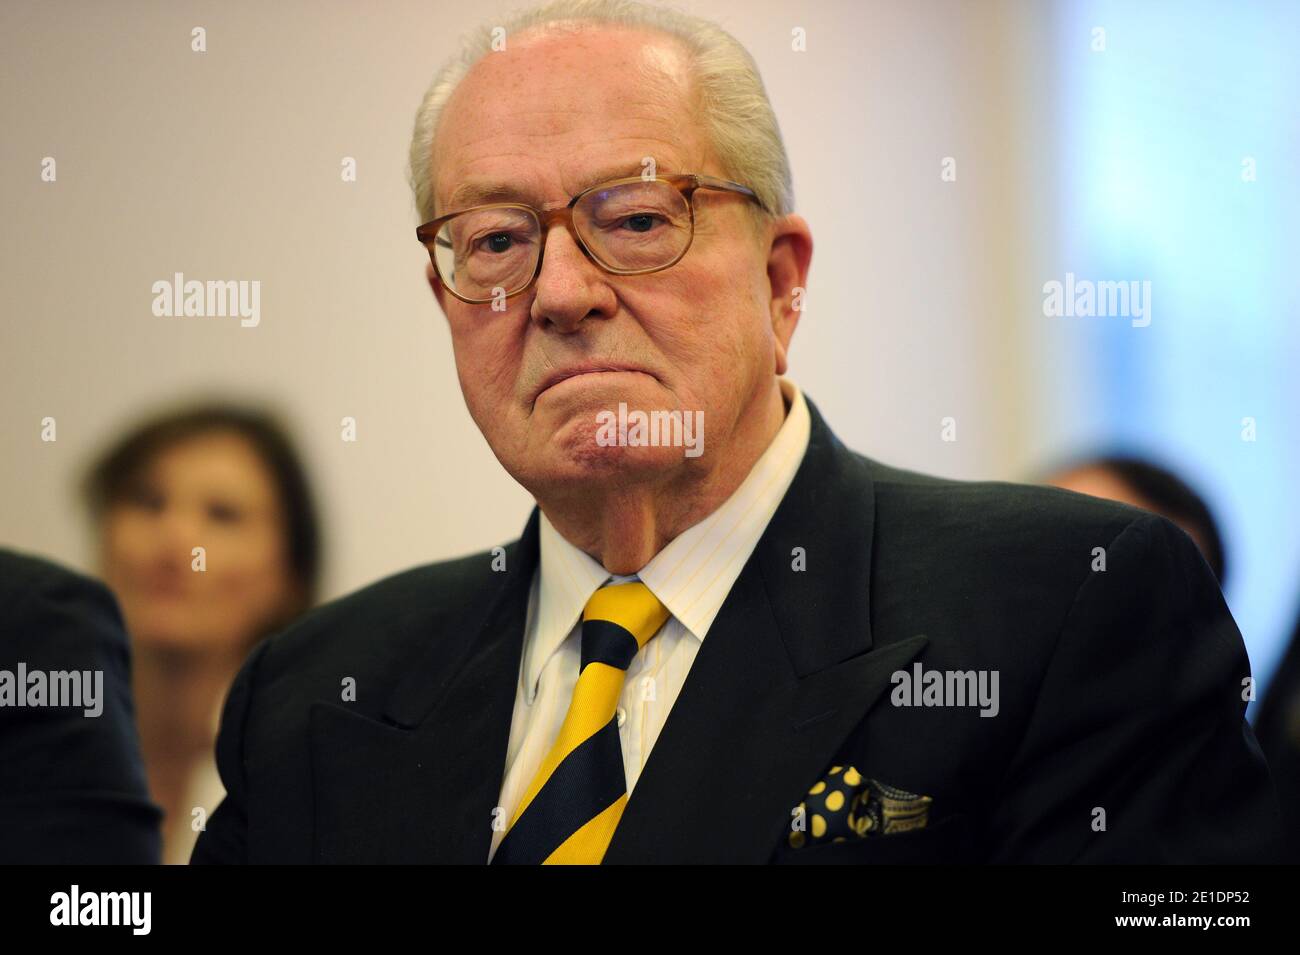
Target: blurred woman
<point>226,480</point>
<point>1133,480</point>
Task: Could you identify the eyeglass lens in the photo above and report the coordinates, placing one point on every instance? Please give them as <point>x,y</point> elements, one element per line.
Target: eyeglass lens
<point>627,227</point>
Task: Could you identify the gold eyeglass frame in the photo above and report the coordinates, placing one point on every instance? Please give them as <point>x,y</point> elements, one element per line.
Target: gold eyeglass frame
<point>685,183</point>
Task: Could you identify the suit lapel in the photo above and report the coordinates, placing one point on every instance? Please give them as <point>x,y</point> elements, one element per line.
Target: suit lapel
<point>420,786</point>
<point>786,673</point>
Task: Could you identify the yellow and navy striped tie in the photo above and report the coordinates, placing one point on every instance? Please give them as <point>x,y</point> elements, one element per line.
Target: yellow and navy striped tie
<point>569,812</point>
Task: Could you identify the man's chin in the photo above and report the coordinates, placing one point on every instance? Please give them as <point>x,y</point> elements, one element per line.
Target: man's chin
<point>584,437</point>
<point>574,459</point>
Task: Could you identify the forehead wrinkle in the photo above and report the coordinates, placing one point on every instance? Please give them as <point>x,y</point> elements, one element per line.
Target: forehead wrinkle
<point>513,121</point>
<point>474,192</point>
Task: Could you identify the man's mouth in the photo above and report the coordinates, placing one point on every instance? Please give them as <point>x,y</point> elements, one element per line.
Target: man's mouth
<point>561,375</point>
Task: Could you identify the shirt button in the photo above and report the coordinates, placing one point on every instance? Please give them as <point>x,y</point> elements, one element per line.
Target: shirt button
<point>622,715</point>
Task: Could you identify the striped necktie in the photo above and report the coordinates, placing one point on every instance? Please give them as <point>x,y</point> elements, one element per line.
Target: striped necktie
<point>571,808</point>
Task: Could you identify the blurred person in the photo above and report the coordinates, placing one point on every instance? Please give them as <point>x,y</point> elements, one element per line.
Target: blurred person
<point>72,783</point>
<point>724,650</point>
<point>1142,483</point>
<point>225,479</point>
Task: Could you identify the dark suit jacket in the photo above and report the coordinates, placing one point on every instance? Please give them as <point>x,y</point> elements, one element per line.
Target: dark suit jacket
<point>1118,689</point>
<point>72,787</point>
<point>1278,728</point>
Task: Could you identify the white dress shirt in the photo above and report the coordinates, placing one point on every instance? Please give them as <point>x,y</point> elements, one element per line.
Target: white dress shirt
<point>692,576</point>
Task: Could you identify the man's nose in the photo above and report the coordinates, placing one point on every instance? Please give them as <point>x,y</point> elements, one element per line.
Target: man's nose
<point>571,287</point>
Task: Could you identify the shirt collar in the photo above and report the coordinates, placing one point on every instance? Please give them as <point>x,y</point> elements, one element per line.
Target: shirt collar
<point>693,574</point>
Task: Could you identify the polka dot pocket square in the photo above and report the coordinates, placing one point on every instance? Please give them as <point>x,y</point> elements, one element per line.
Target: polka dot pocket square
<point>846,805</point>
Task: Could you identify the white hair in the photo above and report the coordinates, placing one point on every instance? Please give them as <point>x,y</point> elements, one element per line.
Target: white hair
<point>732,103</point>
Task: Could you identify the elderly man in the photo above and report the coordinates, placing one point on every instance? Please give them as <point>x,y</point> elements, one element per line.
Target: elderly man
<point>770,650</point>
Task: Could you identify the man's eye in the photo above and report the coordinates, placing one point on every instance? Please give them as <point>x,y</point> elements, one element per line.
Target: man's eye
<point>498,242</point>
<point>641,222</point>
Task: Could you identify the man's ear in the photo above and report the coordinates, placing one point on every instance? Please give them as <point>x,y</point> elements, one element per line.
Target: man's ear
<point>788,258</point>
<point>435,283</point>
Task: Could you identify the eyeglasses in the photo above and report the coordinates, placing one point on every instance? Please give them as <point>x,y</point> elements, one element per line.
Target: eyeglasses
<point>627,226</point>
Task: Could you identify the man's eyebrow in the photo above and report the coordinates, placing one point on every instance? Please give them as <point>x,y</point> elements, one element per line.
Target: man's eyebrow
<point>478,192</point>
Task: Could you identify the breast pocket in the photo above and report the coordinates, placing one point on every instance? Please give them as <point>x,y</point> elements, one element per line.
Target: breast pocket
<point>947,842</point>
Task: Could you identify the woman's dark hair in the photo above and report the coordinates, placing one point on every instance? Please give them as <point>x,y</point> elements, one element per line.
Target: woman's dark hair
<point>111,476</point>
<point>1169,494</point>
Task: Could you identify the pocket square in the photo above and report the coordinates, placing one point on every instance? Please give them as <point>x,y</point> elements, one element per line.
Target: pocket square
<point>845,805</point>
